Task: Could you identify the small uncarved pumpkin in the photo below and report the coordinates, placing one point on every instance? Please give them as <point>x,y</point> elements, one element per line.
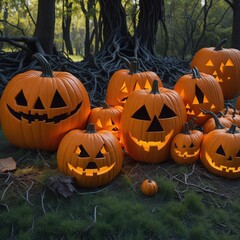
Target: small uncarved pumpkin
<point>124,81</point>
<point>39,107</point>
<point>92,158</point>
<point>149,187</point>
<point>223,64</point>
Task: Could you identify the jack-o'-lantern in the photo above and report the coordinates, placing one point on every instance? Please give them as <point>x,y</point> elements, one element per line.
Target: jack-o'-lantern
<point>123,82</point>
<point>185,146</point>
<point>238,103</point>
<point>39,107</point>
<point>150,119</point>
<point>106,118</point>
<point>223,64</point>
<point>92,158</point>
<point>220,152</point>
<point>199,91</point>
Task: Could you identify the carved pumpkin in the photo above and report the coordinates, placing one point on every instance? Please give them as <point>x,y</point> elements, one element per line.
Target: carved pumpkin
<point>199,91</point>
<point>92,158</point>
<point>185,146</point>
<point>238,103</point>
<point>150,119</point>
<point>106,118</point>
<point>149,187</point>
<point>123,82</point>
<point>39,107</point>
<point>220,152</point>
<point>223,64</point>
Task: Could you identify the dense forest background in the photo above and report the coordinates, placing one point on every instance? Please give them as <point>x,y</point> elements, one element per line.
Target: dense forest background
<point>162,35</point>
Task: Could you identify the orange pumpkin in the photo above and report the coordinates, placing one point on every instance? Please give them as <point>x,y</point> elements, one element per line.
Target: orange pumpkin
<point>124,81</point>
<point>39,107</point>
<point>149,187</point>
<point>106,118</point>
<point>199,91</point>
<point>220,152</point>
<point>185,146</point>
<point>223,64</point>
<point>150,119</point>
<point>92,158</point>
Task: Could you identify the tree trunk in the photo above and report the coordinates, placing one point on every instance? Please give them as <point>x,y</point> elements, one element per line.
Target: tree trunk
<point>45,25</point>
<point>235,26</point>
<point>66,23</point>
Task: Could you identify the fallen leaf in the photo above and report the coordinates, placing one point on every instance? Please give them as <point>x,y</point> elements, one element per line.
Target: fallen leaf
<point>62,185</point>
<point>7,164</point>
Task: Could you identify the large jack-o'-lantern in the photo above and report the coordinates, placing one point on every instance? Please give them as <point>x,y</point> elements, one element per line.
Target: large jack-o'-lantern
<point>199,91</point>
<point>123,82</point>
<point>92,158</point>
<point>39,107</point>
<point>150,119</point>
<point>223,64</point>
<point>220,152</point>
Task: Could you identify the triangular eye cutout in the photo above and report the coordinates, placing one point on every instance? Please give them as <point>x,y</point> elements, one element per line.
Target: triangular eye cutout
<point>192,145</point>
<point>147,84</point>
<point>209,63</point>
<point>229,63</point>
<point>199,94</point>
<point>38,104</point>
<point>175,145</point>
<point>141,114</point>
<point>220,151</point>
<point>20,99</point>
<point>155,126</point>
<point>83,153</point>
<point>167,112</point>
<point>99,123</point>
<point>99,155</point>
<point>57,101</point>
<point>124,88</point>
<point>137,86</point>
<point>238,154</point>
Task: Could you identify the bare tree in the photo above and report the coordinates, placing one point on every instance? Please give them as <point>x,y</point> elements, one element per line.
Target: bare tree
<point>235,5</point>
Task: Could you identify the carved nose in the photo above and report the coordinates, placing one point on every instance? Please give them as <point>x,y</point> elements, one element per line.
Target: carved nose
<point>155,126</point>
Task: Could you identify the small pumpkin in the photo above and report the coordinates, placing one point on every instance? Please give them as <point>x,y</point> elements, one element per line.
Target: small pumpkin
<point>149,187</point>
<point>223,64</point>
<point>93,158</point>
<point>149,121</point>
<point>220,152</point>
<point>199,91</point>
<point>39,107</point>
<point>185,146</point>
<point>106,118</point>
<point>124,81</point>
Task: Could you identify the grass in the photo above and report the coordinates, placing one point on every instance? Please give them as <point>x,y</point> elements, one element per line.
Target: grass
<point>190,204</point>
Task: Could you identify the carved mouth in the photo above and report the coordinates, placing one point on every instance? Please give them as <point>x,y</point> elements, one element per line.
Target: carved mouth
<point>91,171</point>
<point>150,144</point>
<point>186,155</point>
<point>192,112</point>
<point>221,167</point>
<point>44,117</point>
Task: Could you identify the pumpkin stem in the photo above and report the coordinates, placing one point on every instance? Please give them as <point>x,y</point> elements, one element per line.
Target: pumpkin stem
<point>90,128</point>
<point>233,129</point>
<point>186,129</point>
<point>155,89</point>
<point>45,66</point>
<point>133,67</point>
<point>195,73</point>
<point>217,122</point>
<point>219,45</point>
<point>105,105</point>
